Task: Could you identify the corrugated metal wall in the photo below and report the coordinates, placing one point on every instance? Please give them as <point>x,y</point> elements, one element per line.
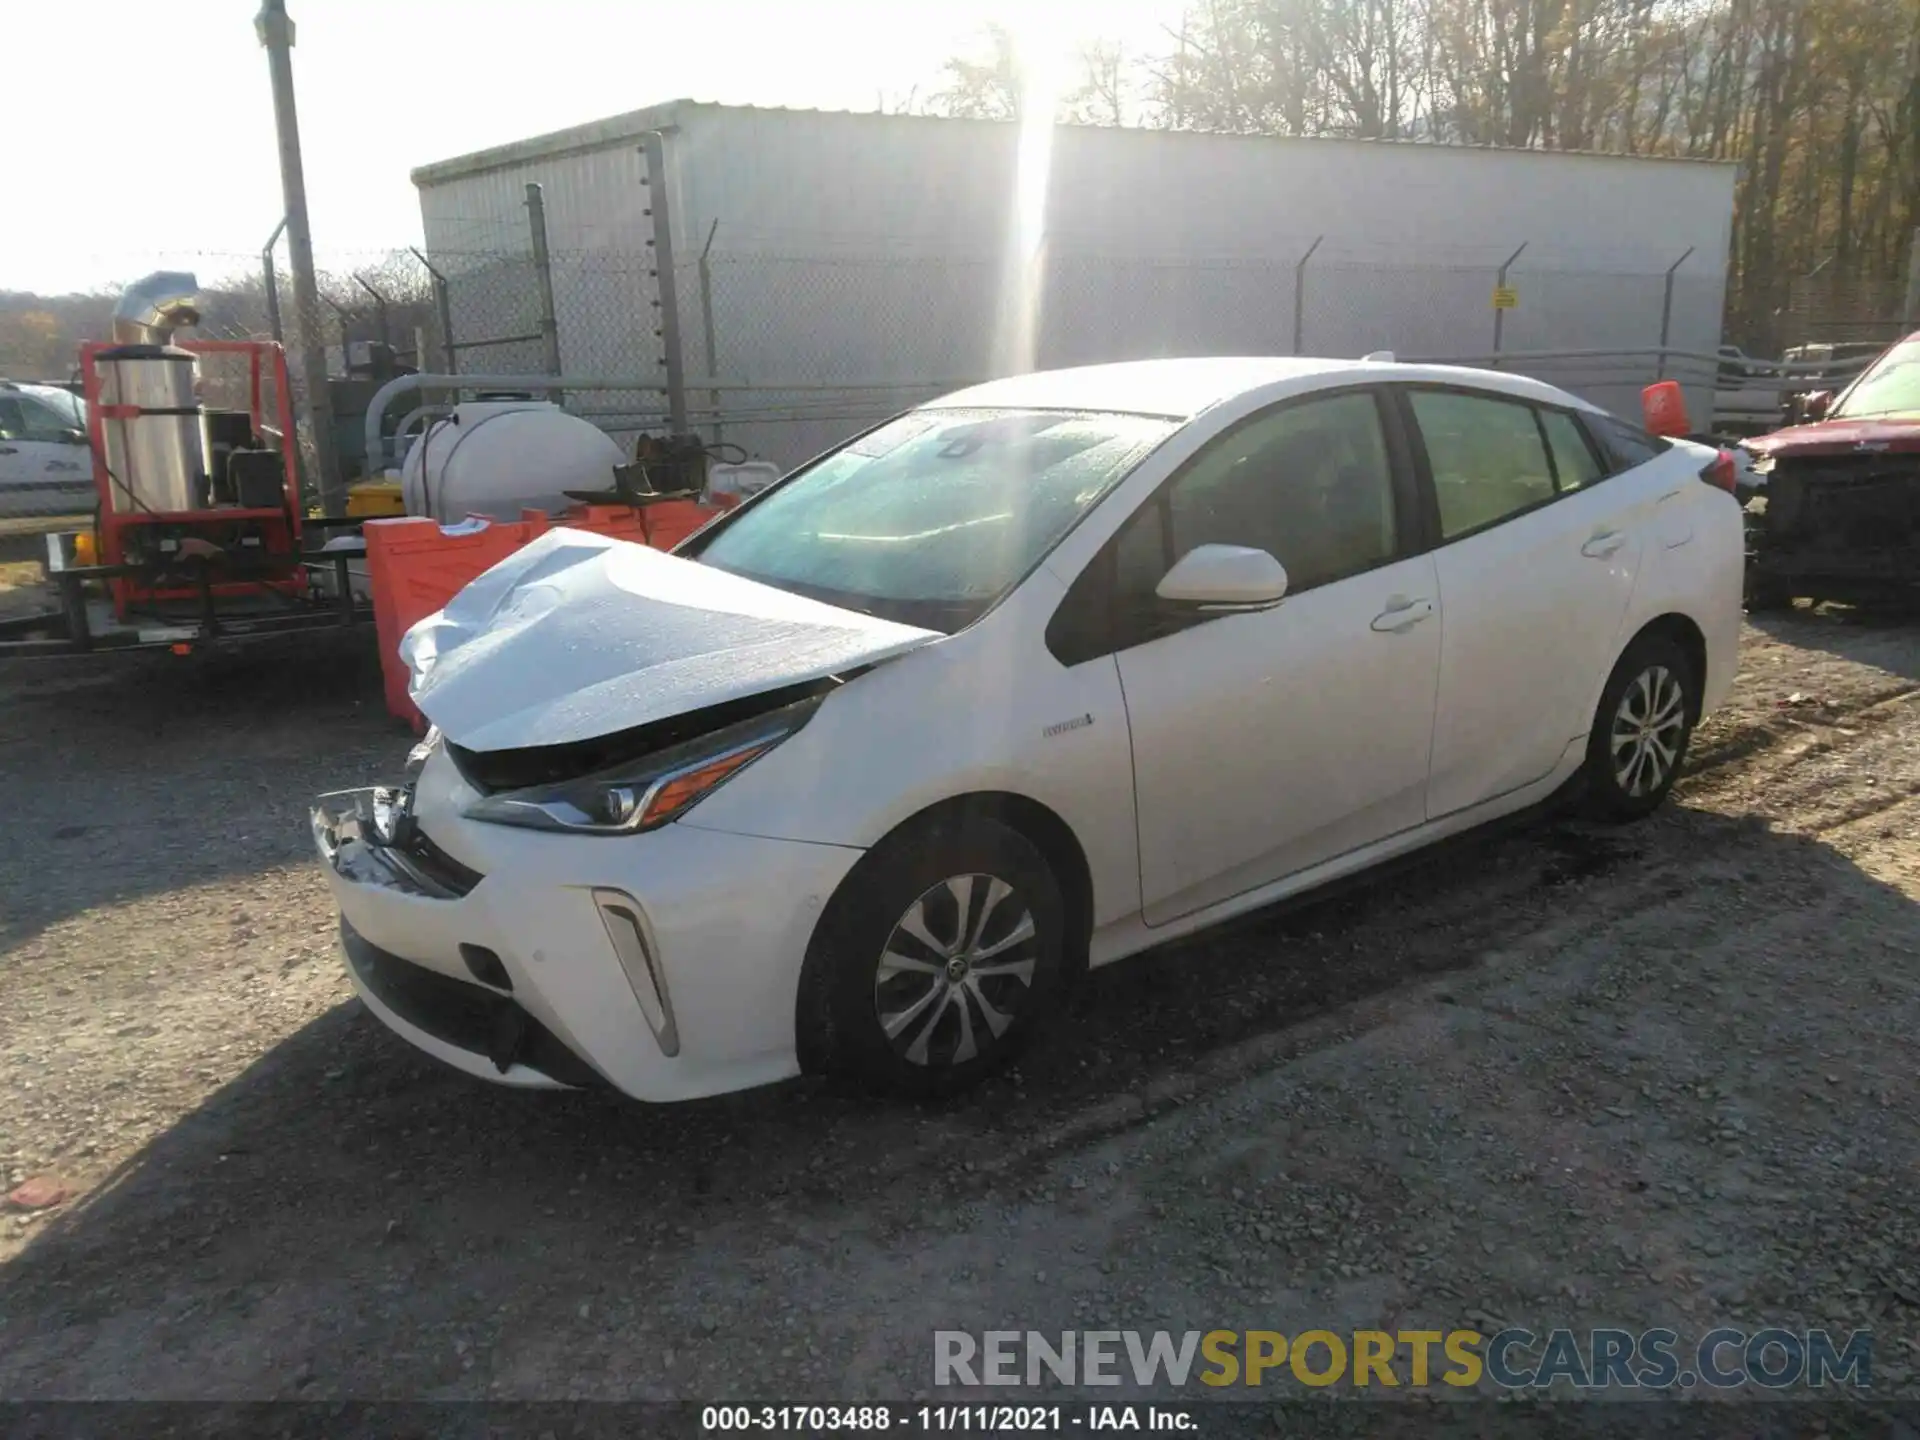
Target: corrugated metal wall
<point>866,247</point>
<point>779,178</point>
<point>596,206</point>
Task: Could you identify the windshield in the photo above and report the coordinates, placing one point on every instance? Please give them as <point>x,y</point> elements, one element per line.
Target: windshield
<point>1890,387</point>
<point>931,518</point>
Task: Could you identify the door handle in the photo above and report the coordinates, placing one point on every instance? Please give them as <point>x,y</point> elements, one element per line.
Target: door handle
<point>1603,545</point>
<point>1402,616</point>
<point>8,450</point>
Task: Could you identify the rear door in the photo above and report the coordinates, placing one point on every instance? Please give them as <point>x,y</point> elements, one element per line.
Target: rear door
<point>1536,560</point>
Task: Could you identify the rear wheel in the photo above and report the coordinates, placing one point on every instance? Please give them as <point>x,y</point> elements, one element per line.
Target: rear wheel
<point>939,958</point>
<point>1641,730</point>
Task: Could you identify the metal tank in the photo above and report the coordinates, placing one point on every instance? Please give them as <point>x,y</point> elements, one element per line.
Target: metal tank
<point>499,457</point>
<point>156,462</point>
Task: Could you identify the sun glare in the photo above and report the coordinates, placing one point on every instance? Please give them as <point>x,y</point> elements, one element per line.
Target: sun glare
<point>1038,44</point>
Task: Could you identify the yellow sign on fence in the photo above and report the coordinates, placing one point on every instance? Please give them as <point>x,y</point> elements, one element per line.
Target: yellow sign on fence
<point>1505,297</point>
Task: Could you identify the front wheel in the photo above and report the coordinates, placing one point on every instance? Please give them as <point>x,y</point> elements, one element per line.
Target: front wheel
<point>1641,730</point>
<point>940,957</point>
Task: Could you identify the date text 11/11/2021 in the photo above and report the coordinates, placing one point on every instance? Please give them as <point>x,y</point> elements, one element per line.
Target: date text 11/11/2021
<point>945,1419</point>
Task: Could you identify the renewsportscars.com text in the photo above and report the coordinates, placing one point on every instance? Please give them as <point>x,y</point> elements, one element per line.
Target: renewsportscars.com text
<point>1511,1359</point>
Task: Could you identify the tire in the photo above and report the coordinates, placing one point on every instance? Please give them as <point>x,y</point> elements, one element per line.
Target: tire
<point>926,1017</point>
<point>1641,730</point>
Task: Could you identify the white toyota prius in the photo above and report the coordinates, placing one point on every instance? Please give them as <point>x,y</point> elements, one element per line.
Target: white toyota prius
<point>1022,681</point>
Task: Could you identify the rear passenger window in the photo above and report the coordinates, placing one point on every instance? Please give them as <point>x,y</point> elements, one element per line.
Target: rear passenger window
<point>1573,461</point>
<point>1625,445</point>
<point>1487,457</point>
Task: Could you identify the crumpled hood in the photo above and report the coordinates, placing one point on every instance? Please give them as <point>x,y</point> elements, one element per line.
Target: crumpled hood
<point>1899,434</point>
<point>576,636</point>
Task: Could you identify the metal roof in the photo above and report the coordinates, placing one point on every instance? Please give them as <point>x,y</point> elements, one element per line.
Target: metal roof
<point>629,127</point>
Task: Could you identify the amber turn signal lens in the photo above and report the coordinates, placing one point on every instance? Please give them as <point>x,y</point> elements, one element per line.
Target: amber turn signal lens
<point>684,789</point>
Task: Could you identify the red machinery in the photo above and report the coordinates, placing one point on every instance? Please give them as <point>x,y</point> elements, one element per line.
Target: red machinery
<point>177,531</point>
<point>197,531</point>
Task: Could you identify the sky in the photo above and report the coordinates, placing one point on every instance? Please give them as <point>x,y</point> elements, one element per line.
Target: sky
<point>143,133</point>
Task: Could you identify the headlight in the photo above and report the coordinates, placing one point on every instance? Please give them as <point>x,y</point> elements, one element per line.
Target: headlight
<point>646,793</point>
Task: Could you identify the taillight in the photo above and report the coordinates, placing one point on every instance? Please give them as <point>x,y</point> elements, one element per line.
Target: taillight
<point>1721,472</point>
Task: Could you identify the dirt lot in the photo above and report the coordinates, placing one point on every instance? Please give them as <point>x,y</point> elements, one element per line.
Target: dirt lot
<point>1663,1075</point>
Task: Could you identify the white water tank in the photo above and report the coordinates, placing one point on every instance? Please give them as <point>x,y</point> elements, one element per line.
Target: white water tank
<point>499,457</point>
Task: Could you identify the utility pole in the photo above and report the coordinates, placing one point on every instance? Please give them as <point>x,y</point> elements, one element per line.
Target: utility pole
<point>275,30</point>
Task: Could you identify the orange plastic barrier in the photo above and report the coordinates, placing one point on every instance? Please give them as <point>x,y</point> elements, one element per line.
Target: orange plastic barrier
<point>415,567</point>
<point>1665,407</point>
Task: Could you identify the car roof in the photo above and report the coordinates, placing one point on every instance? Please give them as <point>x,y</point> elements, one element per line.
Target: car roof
<point>1183,388</point>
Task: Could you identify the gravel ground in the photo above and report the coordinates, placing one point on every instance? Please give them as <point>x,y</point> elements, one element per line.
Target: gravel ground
<point>1549,1076</point>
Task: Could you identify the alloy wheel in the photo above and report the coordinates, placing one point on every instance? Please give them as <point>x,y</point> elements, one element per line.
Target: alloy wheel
<point>957,970</point>
<point>1647,730</point>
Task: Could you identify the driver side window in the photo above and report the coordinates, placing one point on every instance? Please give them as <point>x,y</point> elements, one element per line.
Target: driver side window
<point>1309,482</point>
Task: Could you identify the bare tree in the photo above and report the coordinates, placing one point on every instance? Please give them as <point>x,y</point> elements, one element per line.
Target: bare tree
<point>1104,95</point>
<point>989,85</point>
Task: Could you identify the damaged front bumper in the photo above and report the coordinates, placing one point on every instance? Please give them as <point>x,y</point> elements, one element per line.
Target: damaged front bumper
<point>369,836</point>
<point>368,840</point>
<point>1838,528</point>
<point>664,964</point>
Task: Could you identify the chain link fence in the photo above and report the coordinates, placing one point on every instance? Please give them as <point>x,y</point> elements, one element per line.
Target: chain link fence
<point>864,336</point>
<point>784,355</point>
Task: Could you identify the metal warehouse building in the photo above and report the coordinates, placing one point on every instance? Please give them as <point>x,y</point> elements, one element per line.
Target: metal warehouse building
<point>821,256</point>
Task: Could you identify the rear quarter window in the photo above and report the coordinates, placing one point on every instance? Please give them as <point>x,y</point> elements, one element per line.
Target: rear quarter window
<point>1621,445</point>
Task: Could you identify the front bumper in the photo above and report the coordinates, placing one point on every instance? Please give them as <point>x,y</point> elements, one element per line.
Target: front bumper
<point>1839,528</point>
<point>666,964</point>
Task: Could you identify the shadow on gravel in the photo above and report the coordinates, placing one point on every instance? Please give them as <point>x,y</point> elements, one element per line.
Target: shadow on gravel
<point>125,776</point>
<point>359,1197</point>
<point>1881,637</point>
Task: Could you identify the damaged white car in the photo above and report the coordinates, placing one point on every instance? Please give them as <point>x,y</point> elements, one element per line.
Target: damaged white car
<point>1026,680</point>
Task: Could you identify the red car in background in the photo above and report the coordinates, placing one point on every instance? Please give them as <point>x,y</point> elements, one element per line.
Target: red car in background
<point>1840,513</point>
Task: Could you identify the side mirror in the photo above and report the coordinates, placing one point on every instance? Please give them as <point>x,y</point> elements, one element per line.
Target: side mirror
<point>73,437</point>
<point>1225,577</point>
<point>1815,406</point>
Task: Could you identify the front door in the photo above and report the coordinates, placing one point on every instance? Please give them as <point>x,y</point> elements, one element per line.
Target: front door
<point>1265,743</point>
